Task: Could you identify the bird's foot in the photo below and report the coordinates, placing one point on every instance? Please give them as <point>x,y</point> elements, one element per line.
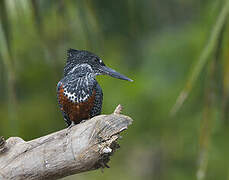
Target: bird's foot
<point>69,127</point>
<point>83,121</point>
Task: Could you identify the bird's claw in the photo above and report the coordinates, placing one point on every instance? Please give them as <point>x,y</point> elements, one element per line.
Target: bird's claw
<point>69,127</point>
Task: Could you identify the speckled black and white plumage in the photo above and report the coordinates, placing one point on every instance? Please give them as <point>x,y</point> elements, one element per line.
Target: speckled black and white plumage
<point>79,83</point>
<point>79,94</point>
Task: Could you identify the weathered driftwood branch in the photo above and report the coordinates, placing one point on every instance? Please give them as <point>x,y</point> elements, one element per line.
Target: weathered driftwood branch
<point>86,146</point>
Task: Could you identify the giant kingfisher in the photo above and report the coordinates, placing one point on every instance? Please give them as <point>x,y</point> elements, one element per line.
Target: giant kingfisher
<point>79,94</point>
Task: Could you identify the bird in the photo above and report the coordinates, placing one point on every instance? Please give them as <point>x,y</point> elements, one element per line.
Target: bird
<point>79,94</point>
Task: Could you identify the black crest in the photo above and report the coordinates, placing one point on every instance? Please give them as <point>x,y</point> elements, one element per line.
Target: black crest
<point>75,57</point>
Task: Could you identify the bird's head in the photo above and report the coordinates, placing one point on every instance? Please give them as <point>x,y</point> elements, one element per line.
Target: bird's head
<point>81,61</point>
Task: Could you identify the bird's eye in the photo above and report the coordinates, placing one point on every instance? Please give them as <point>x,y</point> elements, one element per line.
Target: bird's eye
<point>98,61</point>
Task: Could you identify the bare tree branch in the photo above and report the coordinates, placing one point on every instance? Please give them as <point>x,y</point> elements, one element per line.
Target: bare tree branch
<point>84,147</point>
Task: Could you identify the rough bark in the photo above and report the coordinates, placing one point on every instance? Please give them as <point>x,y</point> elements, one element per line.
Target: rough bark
<point>84,147</point>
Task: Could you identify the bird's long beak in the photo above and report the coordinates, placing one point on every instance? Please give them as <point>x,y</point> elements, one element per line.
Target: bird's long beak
<point>113,73</point>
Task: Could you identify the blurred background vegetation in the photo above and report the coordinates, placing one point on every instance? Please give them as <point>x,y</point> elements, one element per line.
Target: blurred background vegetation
<point>176,51</point>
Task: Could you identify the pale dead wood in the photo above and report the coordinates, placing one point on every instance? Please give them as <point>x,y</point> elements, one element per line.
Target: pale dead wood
<point>2,144</point>
<point>84,147</point>
<point>118,109</point>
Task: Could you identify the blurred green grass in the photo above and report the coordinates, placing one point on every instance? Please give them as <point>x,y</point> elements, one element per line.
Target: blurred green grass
<point>156,43</point>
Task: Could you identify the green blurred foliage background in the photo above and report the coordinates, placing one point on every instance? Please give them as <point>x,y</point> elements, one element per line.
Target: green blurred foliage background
<point>159,44</point>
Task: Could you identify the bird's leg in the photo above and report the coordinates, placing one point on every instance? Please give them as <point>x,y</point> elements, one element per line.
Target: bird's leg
<point>71,125</point>
<point>84,120</point>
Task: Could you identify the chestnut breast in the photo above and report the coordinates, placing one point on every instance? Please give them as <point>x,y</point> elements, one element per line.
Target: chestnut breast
<point>76,111</point>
